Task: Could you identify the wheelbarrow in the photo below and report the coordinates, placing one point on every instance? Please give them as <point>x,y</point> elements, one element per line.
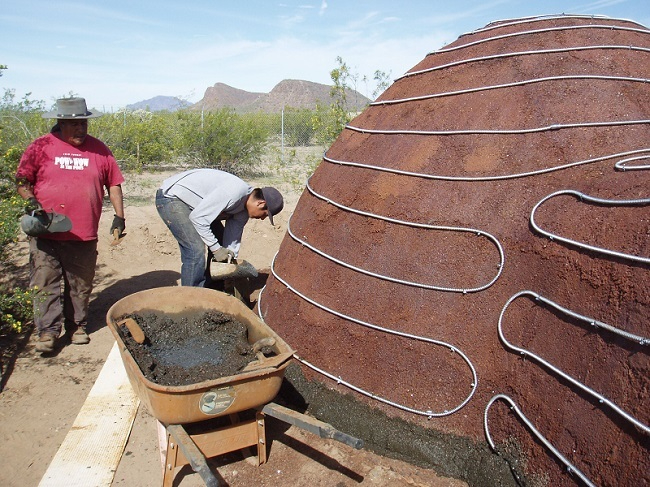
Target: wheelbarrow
<point>250,390</point>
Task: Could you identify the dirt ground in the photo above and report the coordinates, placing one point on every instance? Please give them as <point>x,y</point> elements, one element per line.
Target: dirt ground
<point>43,396</point>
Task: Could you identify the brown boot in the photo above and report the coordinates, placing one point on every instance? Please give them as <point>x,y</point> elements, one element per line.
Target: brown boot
<point>45,343</point>
<point>80,337</point>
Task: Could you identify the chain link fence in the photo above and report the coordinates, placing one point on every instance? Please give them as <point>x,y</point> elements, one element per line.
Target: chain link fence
<point>286,144</point>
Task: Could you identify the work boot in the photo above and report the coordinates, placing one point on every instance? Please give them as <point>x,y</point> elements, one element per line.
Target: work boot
<point>45,343</point>
<point>80,337</point>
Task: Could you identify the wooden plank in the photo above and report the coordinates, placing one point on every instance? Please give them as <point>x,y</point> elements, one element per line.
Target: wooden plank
<point>223,440</point>
<point>92,449</point>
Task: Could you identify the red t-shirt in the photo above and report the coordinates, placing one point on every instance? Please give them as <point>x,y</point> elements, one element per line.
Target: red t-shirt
<point>70,180</point>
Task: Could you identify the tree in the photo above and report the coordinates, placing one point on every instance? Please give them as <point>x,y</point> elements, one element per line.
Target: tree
<point>330,121</point>
<point>383,82</point>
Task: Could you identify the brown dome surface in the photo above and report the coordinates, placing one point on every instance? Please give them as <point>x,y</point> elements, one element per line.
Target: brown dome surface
<point>511,160</point>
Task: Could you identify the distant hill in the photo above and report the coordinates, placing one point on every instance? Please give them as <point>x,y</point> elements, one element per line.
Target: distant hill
<point>160,103</point>
<point>287,93</point>
<point>221,95</point>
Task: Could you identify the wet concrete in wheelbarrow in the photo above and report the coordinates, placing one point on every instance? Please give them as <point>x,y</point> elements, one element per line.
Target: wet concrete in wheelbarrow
<point>188,349</point>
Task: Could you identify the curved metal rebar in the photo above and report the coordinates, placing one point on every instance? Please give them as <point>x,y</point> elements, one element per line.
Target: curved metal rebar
<point>590,199</point>
<point>557,126</point>
<point>474,231</point>
<point>541,18</point>
<point>601,399</point>
<point>621,165</point>
<point>572,469</point>
<point>515,54</point>
<point>428,413</point>
<point>482,178</point>
<point>541,31</point>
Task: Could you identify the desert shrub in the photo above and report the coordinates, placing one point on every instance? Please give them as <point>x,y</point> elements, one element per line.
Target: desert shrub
<point>20,123</point>
<point>221,139</point>
<point>15,304</point>
<point>298,129</point>
<point>16,310</point>
<point>270,123</point>
<point>331,120</point>
<point>138,139</point>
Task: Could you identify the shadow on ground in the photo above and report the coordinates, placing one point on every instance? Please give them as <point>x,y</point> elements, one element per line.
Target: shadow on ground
<point>122,288</point>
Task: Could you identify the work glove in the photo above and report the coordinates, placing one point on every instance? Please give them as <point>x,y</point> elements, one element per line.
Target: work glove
<point>119,224</point>
<point>32,206</point>
<point>222,254</point>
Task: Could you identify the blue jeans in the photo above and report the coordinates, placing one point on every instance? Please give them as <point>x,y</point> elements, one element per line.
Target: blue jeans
<point>176,216</point>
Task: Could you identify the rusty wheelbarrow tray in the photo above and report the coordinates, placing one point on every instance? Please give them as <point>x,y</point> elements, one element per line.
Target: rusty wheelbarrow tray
<point>252,389</point>
<point>257,385</point>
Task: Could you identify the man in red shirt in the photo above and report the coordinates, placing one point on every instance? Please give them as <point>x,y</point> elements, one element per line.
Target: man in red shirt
<point>64,173</point>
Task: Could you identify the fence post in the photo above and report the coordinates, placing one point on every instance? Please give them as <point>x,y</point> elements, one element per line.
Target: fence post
<point>282,137</point>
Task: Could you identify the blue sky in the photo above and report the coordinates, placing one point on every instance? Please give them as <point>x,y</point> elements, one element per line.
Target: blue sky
<point>124,51</point>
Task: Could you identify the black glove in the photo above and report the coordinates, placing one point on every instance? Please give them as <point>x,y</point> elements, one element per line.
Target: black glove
<point>32,206</point>
<point>222,254</point>
<point>119,224</point>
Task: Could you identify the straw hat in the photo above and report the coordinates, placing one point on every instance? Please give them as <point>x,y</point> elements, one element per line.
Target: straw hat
<point>71,109</point>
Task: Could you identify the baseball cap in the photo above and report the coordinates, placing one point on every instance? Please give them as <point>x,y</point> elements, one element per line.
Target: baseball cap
<point>274,201</point>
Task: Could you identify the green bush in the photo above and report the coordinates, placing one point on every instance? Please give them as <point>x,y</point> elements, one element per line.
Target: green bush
<point>15,304</point>
<point>11,205</point>
<point>16,310</point>
<point>20,123</point>
<point>222,139</point>
<point>298,129</point>
<point>138,139</point>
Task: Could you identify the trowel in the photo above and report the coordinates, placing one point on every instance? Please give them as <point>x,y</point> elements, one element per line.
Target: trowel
<point>232,269</point>
<point>262,360</point>
<point>117,238</point>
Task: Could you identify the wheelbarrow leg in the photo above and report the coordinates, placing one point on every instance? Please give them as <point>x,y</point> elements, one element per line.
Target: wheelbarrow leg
<point>178,438</point>
<point>239,288</point>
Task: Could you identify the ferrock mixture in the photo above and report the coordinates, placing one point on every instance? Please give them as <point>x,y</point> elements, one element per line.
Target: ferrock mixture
<point>188,349</point>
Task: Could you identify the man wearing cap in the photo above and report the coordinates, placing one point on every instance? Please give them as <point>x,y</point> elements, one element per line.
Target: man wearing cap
<point>194,203</point>
<point>63,176</point>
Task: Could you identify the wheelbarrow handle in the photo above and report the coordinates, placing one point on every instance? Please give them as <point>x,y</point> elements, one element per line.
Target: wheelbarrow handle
<point>313,425</point>
<point>193,454</point>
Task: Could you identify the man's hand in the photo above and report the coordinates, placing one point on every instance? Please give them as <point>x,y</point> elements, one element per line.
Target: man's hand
<point>222,254</point>
<point>119,224</point>
<point>32,206</point>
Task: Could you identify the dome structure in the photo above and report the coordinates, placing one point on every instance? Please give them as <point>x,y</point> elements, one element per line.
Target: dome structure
<point>471,258</point>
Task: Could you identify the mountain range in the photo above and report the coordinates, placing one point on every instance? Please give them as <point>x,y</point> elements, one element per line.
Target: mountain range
<point>286,94</point>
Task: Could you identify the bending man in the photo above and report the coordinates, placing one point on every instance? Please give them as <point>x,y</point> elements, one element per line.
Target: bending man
<point>209,208</point>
